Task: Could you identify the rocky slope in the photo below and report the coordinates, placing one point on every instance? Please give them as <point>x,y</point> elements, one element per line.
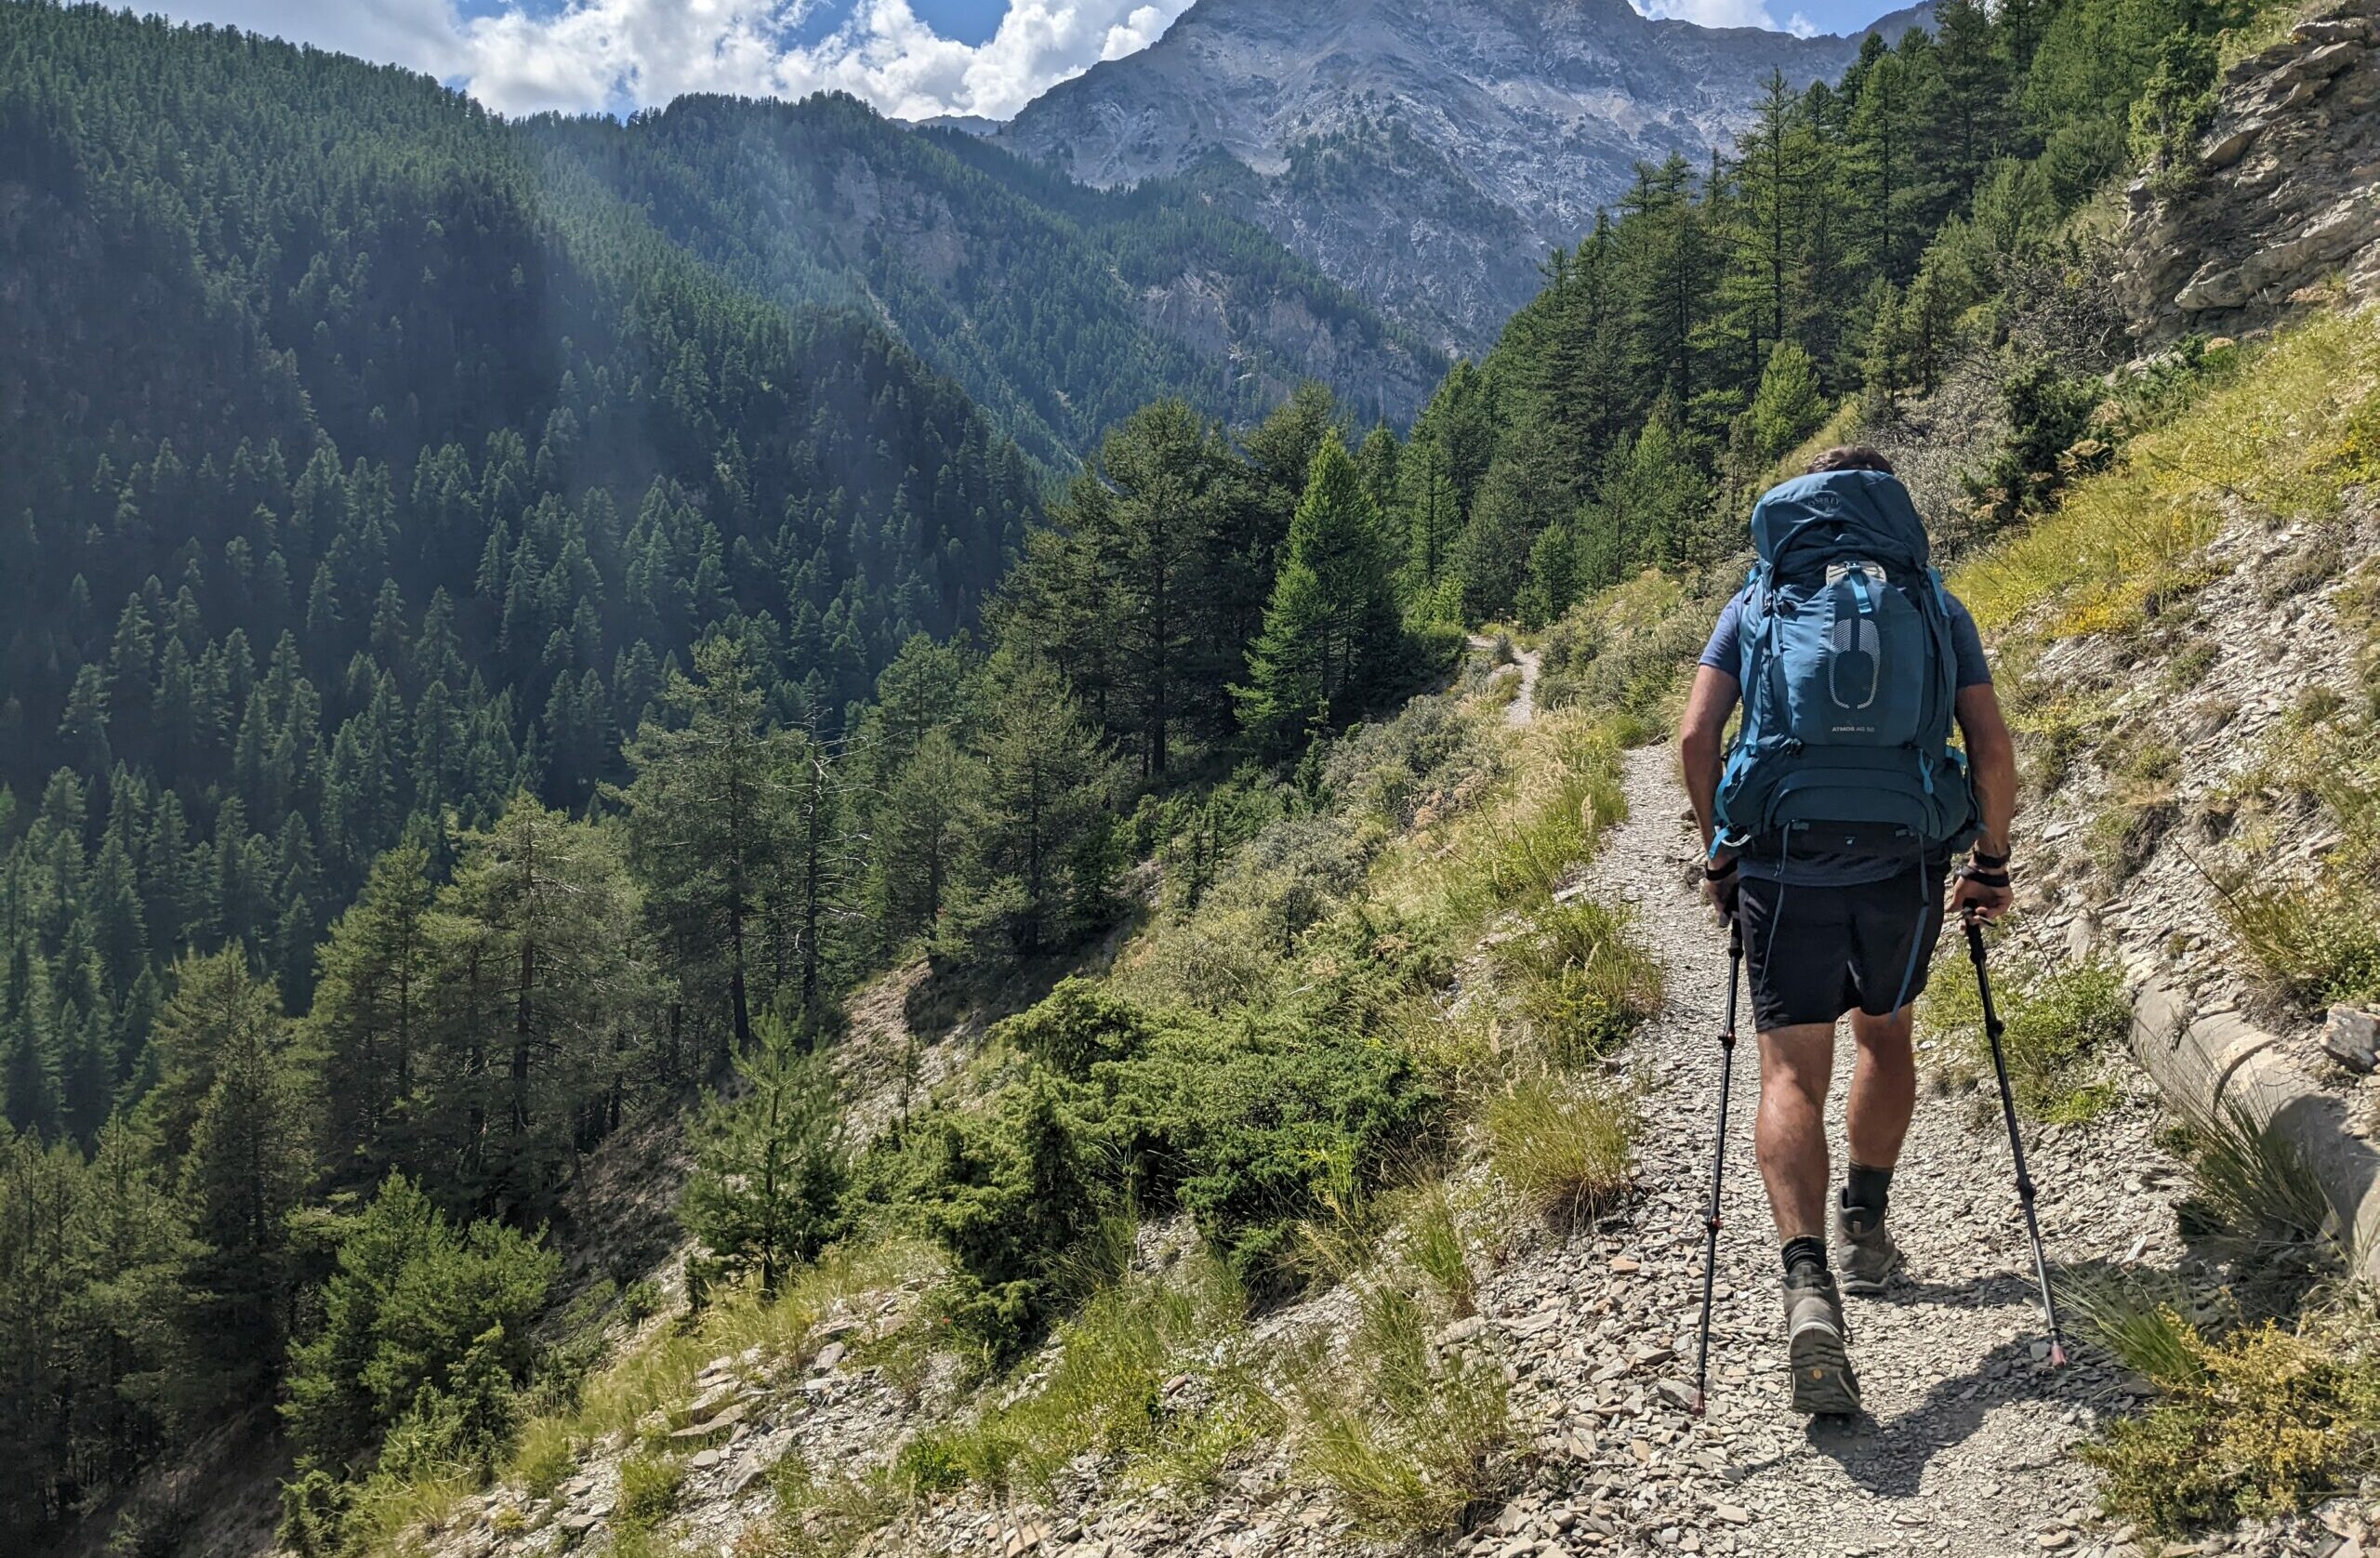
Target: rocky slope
<point>2281,208</point>
<point>1426,153</point>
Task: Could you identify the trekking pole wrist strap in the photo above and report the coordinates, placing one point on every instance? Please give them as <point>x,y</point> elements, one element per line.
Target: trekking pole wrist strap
<point>1721,871</point>
<point>1988,862</point>
<point>1981,876</point>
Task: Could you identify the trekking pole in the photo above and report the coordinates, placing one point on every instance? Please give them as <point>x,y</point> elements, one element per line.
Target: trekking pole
<point>1994,1029</point>
<point>1718,1165</point>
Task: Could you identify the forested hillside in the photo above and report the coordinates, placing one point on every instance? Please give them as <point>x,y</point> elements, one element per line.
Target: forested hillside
<point>472,668</point>
<point>1060,309</point>
<point>1861,238</point>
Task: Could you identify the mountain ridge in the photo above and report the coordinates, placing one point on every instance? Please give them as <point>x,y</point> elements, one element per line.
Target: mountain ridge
<point>1426,154</point>
<point>969,255</point>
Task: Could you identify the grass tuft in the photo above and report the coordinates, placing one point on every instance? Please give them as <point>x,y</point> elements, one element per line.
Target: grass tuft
<point>1132,1377</point>
<point>2058,1020</point>
<point>1411,1438</point>
<point>1568,1154</point>
<point>1582,979</point>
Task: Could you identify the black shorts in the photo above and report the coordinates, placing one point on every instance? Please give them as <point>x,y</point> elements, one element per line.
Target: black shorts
<point>1819,952</point>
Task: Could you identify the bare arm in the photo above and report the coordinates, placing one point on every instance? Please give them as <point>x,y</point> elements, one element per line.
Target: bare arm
<point>1991,751</point>
<point>1707,707</point>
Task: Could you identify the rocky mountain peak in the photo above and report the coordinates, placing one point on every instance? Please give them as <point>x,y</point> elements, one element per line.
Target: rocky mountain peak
<point>1426,153</point>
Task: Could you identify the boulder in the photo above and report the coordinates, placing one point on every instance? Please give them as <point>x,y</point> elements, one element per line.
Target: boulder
<point>2352,1036</point>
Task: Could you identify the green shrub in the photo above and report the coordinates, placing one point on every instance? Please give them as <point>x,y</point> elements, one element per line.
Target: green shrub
<point>2249,1427</point>
<point>413,1298</point>
<point>1255,1124</point>
<point>1078,1026</point>
<point>1010,1192</point>
<point>2058,1019</point>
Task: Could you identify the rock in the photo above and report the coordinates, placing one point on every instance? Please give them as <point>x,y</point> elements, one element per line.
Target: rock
<point>2233,144</point>
<point>718,1424</point>
<point>703,1460</point>
<point>2352,1036</point>
<point>701,1408</point>
<point>830,1355</point>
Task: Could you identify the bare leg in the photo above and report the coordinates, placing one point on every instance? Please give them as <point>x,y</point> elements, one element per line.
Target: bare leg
<point>1883,1088</point>
<point>1796,1067</point>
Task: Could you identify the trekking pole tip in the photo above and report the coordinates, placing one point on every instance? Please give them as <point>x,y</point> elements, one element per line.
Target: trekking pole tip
<point>2057,1355</point>
<point>1702,1399</point>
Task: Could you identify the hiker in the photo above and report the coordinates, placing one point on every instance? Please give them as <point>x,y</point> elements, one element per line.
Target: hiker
<point>1828,836</point>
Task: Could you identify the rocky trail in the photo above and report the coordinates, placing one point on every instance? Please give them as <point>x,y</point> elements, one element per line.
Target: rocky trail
<point>1530,663</point>
<point>1963,1449</point>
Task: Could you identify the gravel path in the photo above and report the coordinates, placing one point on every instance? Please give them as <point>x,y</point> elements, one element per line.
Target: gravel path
<point>1963,1450</point>
<point>1522,707</point>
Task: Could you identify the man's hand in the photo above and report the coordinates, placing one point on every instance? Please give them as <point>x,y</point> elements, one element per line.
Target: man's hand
<point>1983,891</point>
<point>1721,889</point>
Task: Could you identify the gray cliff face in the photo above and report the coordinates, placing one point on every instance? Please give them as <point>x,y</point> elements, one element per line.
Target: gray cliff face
<point>1426,153</point>
<point>2280,208</point>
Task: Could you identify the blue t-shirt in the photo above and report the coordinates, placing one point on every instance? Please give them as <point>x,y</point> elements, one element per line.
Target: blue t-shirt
<point>1853,859</point>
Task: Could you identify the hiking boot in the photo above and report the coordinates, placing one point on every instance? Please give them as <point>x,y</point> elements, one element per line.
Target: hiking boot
<point>1866,1260</point>
<point>1815,1338</point>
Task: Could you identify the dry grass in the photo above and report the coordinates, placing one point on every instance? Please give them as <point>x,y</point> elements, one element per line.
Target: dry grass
<point>1567,1151</point>
<point>1411,1438</point>
<point>2276,437</point>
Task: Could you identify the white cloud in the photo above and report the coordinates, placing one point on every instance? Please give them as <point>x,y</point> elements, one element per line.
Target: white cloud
<point>617,54</point>
<point>1710,13</point>
<point>1802,26</point>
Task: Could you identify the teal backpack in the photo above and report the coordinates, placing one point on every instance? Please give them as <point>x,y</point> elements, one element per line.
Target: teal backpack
<point>1849,674</point>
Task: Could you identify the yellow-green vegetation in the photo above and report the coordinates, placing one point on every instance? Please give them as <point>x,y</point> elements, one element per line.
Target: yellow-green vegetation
<point>2257,1413</point>
<point>1565,1147</point>
<point>1132,1377</point>
<point>2258,1423</point>
<point>1407,1433</point>
<point>2058,1019</point>
<point>1580,979</point>
<point>2276,431</point>
<point>2312,932</point>
<point>648,1495</point>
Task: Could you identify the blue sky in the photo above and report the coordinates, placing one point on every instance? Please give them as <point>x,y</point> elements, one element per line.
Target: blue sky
<point>912,58</point>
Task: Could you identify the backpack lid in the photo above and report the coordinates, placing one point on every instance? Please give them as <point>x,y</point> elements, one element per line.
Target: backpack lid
<point>1812,520</point>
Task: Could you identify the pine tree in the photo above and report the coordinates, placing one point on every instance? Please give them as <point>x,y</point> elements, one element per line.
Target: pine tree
<point>539,971</point>
<point>371,1014</point>
<point>915,839</point>
<point>711,825</point>
<point>250,1158</point>
<point>770,1165</point>
<point>1331,635</point>
<point>1035,811</point>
